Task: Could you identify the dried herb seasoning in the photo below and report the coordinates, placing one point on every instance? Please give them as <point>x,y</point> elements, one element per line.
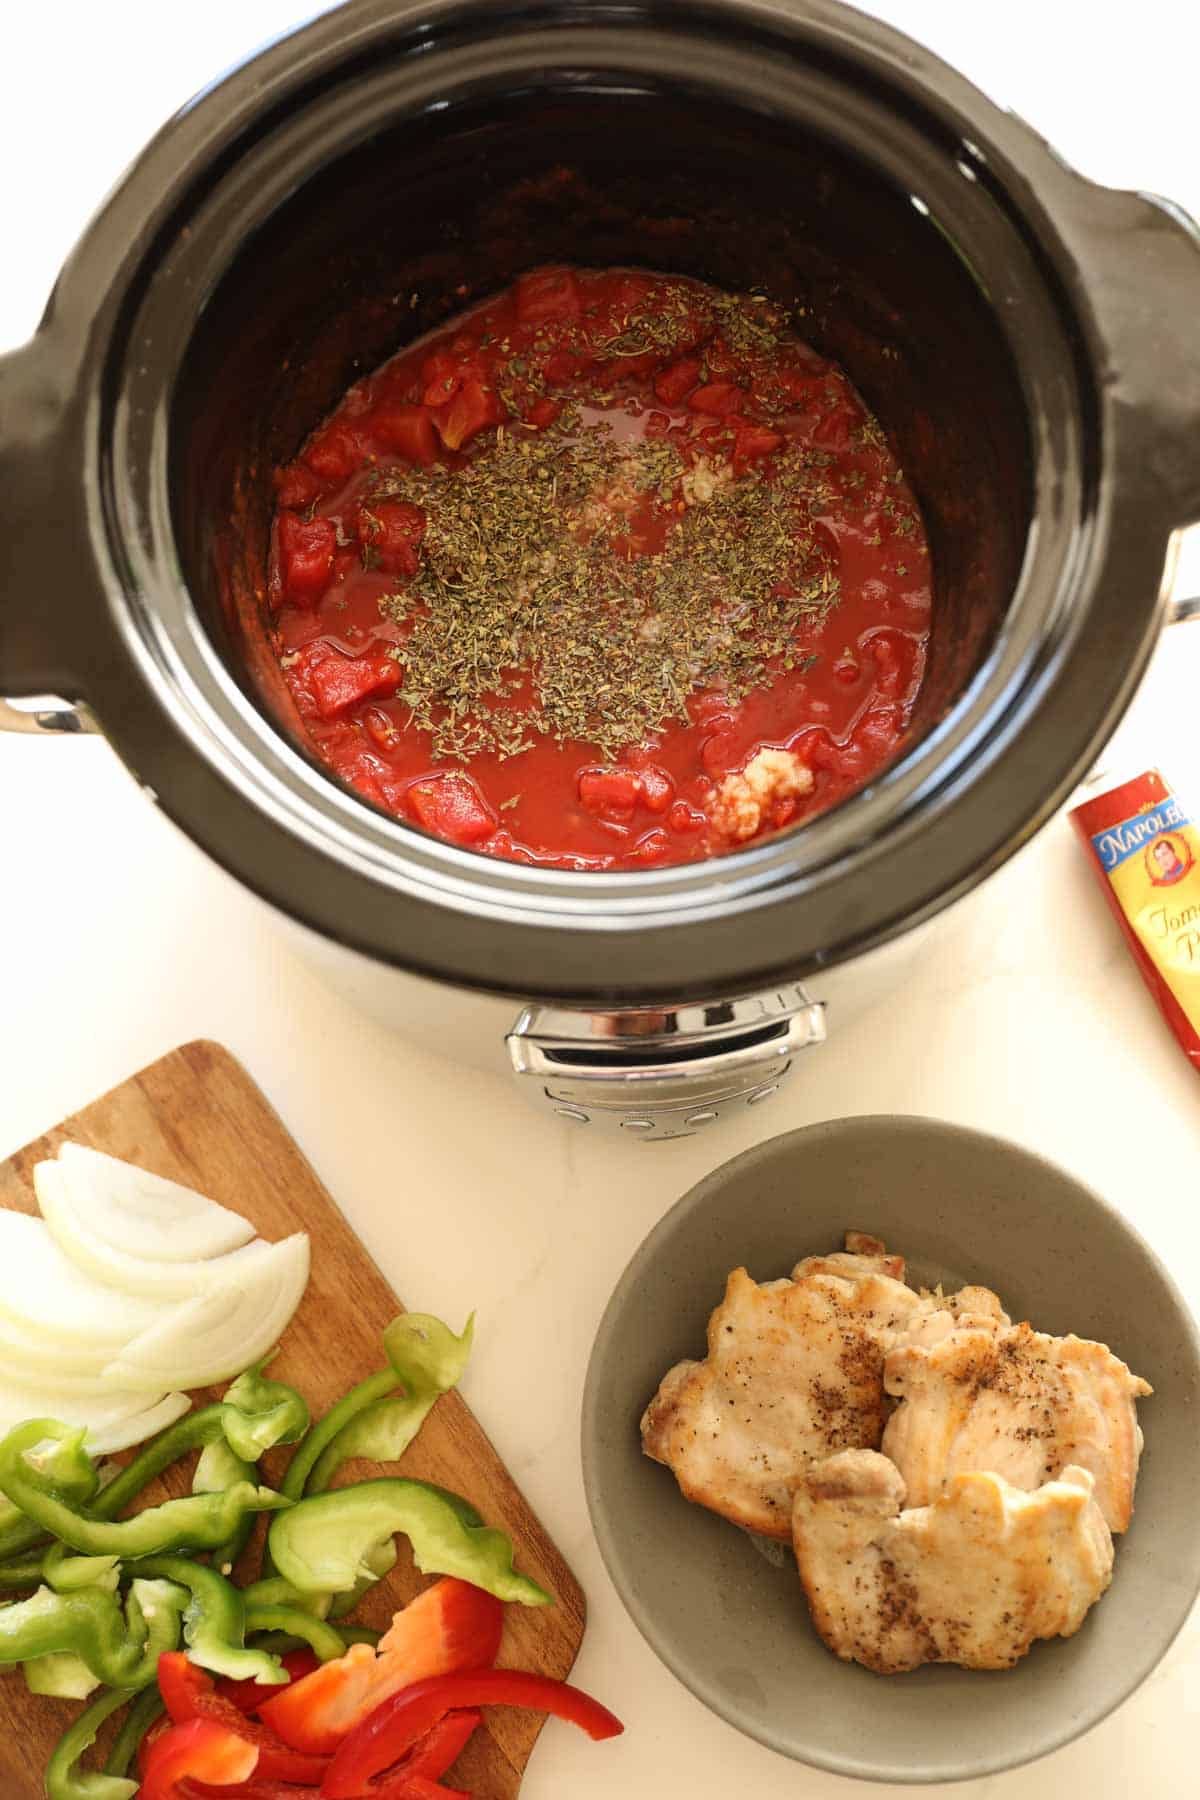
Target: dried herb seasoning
<point>529,586</point>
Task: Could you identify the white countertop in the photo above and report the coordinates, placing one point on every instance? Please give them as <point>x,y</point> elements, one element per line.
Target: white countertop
<point>1026,1016</point>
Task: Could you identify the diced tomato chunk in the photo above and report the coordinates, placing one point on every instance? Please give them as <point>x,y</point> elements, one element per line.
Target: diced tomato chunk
<point>752,441</point>
<point>656,788</point>
<point>339,682</point>
<point>381,730</point>
<point>650,848</point>
<point>718,397</point>
<point>451,806</point>
<point>543,412</point>
<point>306,549</point>
<point>719,752</point>
<point>563,366</point>
<point>834,430</point>
<point>438,364</point>
<point>546,294</point>
<point>296,486</point>
<point>677,381</point>
<point>877,730</point>
<point>608,791</point>
<point>334,452</point>
<point>472,408</point>
<point>628,290</point>
<point>685,818</point>
<point>407,430</point>
<point>392,530</point>
<point>443,376</point>
<point>893,654</point>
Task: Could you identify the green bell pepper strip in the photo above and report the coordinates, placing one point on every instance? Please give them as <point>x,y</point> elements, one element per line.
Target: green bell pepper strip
<point>199,1522</point>
<point>322,1543</point>
<point>273,1590</point>
<point>295,1622</point>
<point>65,1573</point>
<point>121,1647</point>
<point>76,1481</point>
<point>61,1676</point>
<point>283,1641</point>
<point>425,1359</point>
<point>255,1415</point>
<point>380,1560</point>
<point>64,1779</point>
<point>20,1572</point>
<point>218,1467</point>
<point>214,1624</point>
<point>145,1709</point>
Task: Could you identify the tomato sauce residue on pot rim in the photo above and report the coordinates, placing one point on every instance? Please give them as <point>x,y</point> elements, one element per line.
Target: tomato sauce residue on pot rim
<point>612,571</point>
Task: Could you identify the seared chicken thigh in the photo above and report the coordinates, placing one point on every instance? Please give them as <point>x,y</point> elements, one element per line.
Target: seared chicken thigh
<point>1013,1401</point>
<point>794,1370</point>
<point>973,1579</point>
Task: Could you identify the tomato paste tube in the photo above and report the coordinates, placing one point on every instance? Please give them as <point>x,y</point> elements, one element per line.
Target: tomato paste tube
<point>1146,850</point>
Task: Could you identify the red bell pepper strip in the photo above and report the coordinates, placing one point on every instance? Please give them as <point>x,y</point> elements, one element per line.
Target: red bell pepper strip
<point>442,1745</point>
<point>415,1787</point>
<point>249,1695</point>
<point>401,1787</point>
<point>396,1725</point>
<point>199,1748</point>
<point>159,1729</point>
<point>189,1693</point>
<point>449,1626</point>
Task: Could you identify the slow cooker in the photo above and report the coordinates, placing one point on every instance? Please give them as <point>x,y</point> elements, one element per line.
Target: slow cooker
<point>1027,338</point>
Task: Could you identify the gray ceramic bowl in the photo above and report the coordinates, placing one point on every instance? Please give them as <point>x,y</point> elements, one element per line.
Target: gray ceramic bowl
<point>962,1207</point>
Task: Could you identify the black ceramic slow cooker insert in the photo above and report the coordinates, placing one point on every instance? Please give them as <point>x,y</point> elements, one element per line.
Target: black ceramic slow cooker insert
<point>1027,339</point>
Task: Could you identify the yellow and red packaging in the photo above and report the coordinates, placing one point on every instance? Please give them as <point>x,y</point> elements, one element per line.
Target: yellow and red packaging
<point>1146,851</point>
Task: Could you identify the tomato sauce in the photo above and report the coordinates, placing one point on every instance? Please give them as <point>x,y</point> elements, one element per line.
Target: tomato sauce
<point>611,571</point>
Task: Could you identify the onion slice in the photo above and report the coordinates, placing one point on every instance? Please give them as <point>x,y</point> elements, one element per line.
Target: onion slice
<point>84,1383</point>
<point>44,1357</point>
<point>103,1440</point>
<point>227,1329</point>
<point>137,1275</point>
<point>146,1215</point>
<point>43,1293</point>
<point>113,1420</point>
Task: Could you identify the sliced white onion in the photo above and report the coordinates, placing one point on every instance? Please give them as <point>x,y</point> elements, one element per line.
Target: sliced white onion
<point>83,1382</point>
<point>113,1419</point>
<point>145,1215</point>
<point>102,1440</point>
<point>22,1348</point>
<point>129,1274</point>
<point>43,1292</point>
<point>223,1331</point>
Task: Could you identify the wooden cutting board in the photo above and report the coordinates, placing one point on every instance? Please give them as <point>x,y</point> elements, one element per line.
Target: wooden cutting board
<point>197,1117</point>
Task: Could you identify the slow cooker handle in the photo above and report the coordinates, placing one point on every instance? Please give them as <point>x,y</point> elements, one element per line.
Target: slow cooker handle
<point>1140,254</point>
<point>43,556</point>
